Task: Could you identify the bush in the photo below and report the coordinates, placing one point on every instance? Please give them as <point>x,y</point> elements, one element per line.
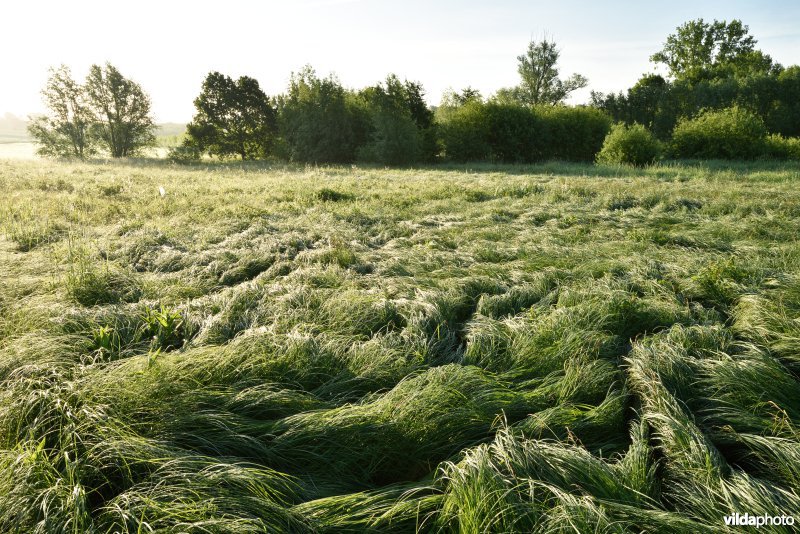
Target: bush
<point>511,133</point>
<point>395,140</point>
<point>573,133</point>
<point>515,133</point>
<point>779,147</point>
<point>630,145</point>
<point>184,153</point>
<point>321,121</point>
<point>465,133</point>
<point>732,133</point>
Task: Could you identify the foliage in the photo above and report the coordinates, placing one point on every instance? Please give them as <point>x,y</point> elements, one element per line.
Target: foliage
<point>233,118</point>
<point>783,115</point>
<point>186,152</point>
<point>321,121</point>
<point>512,133</point>
<point>539,81</point>
<point>164,326</point>
<point>515,133</point>
<point>573,133</point>
<point>395,140</point>
<point>698,49</point>
<point>713,66</point>
<point>64,132</point>
<point>123,122</point>
<point>402,124</point>
<point>649,102</point>
<point>630,145</point>
<point>464,134</point>
<point>779,147</point>
<point>732,133</point>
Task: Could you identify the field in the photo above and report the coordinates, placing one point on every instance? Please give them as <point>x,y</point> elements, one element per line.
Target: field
<point>556,348</point>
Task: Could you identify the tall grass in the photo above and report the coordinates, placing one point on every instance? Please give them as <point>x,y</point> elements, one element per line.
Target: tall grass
<point>553,348</point>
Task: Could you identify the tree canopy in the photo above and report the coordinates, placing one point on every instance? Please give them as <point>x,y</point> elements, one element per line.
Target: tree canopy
<point>65,130</point>
<point>320,120</point>
<point>107,112</point>
<point>700,49</point>
<point>539,77</point>
<point>123,120</point>
<point>232,118</point>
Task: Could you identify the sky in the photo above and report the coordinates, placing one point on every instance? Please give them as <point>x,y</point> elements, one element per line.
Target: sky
<point>168,46</point>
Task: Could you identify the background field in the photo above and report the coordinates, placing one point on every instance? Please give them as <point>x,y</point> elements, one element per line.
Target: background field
<point>552,348</point>
<point>15,143</point>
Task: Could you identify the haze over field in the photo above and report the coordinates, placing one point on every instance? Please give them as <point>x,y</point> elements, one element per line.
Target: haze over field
<point>169,47</point>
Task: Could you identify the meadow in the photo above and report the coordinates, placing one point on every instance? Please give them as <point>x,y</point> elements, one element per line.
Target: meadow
<point>552,348</point>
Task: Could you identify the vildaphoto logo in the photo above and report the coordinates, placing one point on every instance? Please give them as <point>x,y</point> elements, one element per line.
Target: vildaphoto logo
<point>748,520</point>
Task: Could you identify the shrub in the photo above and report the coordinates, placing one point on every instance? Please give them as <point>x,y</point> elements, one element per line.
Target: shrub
<point>779,147</point>
<point>515,133</point>
<point>321,121</point>
<point>573,133</point>
<point>732,133</point>
<point>511,133</point>
<point>630,145</point>
<point>184,153</point>
<point>395,140</point>
<point>465,133</point>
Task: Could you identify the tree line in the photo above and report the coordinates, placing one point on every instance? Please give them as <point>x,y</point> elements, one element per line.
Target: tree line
<point>710,66</point>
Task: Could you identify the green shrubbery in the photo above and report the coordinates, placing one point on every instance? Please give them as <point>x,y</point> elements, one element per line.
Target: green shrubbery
<point>631,145</point>
<point>395,140</point>
<point>732,133</point>
<point>463,136</point>
<point>573,133</point>
<point>320,121</point>
<point>778,147</point>
<point>511,133</point>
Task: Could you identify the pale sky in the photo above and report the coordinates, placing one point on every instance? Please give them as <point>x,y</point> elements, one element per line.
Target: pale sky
<point>169,46</point>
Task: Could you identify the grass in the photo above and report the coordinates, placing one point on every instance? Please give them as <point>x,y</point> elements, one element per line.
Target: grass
<point>550,348</point>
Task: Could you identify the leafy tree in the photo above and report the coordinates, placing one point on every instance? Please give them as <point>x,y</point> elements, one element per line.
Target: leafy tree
<point>713,66</point>
<point>468,94</point>
<point>395,140</point>
<point>540,83</point>
<point>452,101</point>
<point>701,49</point>
<point>784,117</point>
<point>123,121</point>
<point>402,123</point>
<point>465,132</point>
<point>321,121</point>
<point>233,118</point>
<point>648,103</point>
<point>64,131</point>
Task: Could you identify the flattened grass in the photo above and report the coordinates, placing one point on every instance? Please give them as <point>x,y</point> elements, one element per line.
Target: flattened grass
<point>553,348</point>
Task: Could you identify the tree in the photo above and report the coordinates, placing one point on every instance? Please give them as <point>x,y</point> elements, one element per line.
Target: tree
<point>699,49</point>
<point>121,108</point>
<point>540,83</point>
<point>233,118</point>
<point>64,131</point>
<point>402,123</point>
<point>322,122</point>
